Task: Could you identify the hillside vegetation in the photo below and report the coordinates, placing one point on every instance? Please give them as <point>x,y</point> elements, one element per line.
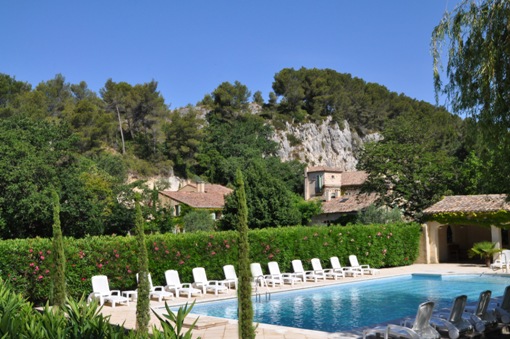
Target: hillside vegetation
<point>84,144</point>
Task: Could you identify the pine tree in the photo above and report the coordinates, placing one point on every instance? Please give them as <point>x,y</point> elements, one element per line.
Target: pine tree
<point>58,292</point>
<point>246,329</point>
<point>142,305</point>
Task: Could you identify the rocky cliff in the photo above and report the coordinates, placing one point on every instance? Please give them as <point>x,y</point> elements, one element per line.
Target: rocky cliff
<point>323,144</point>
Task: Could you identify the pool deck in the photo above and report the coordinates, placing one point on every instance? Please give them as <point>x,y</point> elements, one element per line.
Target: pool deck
<point>217,328</point>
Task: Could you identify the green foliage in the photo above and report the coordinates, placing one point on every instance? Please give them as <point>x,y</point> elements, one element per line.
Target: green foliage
<point>245,326</point>
<point>499,218</point>
<point>307,209</point>
<point>470,43</point>
<point>198,220</point>
<point>229,101</point>
<point>75,319</point>
<point>58,278</point>
<point>24,261</point>
<point>183,135</point>
<point>377,215</point>
<point>173,324</point>
<point>142,305</point>
<point>410,169</point>
<point>485,250</point>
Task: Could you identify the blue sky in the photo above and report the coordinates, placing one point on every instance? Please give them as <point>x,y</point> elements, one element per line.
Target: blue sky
<point>190,47</point>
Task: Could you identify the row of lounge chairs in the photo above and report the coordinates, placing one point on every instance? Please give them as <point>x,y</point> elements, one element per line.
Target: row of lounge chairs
<point>202,285</point>
<point>459,321</point>
<point>275,277</point>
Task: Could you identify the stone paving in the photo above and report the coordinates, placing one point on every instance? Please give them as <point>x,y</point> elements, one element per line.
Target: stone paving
<point>217,328</point>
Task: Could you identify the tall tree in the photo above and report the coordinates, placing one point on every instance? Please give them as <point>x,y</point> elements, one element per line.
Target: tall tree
<point>477,39</point>
<point>246,329</point>
<point>183,135</point>
<point>58,278</point>
<point>142,306</point>
<point>116,97</point>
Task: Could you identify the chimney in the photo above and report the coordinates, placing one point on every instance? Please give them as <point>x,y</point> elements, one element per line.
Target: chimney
<point>201,187</point>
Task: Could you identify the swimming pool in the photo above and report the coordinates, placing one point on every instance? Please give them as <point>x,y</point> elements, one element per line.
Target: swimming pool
<point>352,305</point>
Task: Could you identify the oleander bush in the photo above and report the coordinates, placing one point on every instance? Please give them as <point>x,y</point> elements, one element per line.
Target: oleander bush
<point>26,267</point>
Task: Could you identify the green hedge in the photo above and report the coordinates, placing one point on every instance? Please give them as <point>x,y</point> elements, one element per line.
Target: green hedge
<point>26,266</point>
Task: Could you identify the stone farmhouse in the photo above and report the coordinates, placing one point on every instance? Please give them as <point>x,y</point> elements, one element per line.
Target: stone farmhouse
<point>210,197</point>
<point>338,190</point>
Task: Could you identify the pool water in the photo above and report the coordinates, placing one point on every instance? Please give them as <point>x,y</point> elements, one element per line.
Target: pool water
<point>348,306</point>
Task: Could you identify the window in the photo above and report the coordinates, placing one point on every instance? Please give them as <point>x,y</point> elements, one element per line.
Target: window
<point>177,210</point>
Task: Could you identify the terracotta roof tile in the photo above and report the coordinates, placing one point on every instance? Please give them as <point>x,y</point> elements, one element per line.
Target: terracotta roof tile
<point>356,178</point>
<point>324,169</point>
<point>346,203</point>
<point>213,197</point>
<point>470,203</point>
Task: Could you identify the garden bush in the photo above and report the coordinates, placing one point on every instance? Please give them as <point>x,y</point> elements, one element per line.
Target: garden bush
<point>26,266</point>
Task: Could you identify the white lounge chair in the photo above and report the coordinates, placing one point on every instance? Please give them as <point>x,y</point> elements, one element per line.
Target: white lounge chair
<point>263,279</point>
<point>502,261</point>
<point>421,327</point>
<point>101,292</point>
<point>173,283</point>
<point>453,324</point>
<point>480,316</point>
<point>201,281</point>
<point>347,271</point>
<point>364,269</point>
<point>230,276</point>
<point>503,307</point>
<point>328,273</point>
<point>289,278</point>
<point>297,266</point>
<point>157,292</point>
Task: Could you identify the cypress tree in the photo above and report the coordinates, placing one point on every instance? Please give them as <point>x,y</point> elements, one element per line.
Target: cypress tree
<point>58,280</point>
<point>246,329</point>
<point>142,304</point>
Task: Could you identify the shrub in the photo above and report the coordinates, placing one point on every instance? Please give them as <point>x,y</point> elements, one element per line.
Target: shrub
<point>24,261</point>
<point>198,220</point>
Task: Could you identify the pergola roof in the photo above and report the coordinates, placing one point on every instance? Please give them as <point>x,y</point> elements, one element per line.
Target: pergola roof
<point>470,203</point>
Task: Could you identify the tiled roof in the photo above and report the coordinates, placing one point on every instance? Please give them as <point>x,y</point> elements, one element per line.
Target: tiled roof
<point>356,178</point>
<point>348,203</point>
<point>470,203</point>
<point>213,197</point>
<point>324,169</point>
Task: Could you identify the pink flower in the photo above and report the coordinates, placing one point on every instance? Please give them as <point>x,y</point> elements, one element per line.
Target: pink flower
<point>32,264</point>
<point>271,256</point>
<point>156,248</point>
<point>227,246</point>
<point>48,252</point>
<point>213,253</point>
<point>83,279</point>
<point>42,257</point>
<point>100,265</point>
<point>209,245</point>
<point>129,271</point>
<point>166,251</point>
<point>181,262</point>
<point>40,277</point>
<point>117,255</point>
<point>40,252</point>
<point>47,271</point>
<point>30,250</point>
<point>37,268</point>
